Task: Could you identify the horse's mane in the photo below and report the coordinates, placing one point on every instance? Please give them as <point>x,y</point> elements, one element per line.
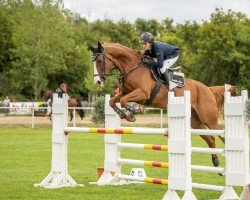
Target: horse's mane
<point>135,52</point>
<point>218,92</point>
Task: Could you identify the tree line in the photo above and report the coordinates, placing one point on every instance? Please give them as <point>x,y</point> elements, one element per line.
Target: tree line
<point>42,44</point>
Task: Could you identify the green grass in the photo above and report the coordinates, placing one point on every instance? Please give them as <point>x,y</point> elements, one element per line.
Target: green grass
<point>26,155</point>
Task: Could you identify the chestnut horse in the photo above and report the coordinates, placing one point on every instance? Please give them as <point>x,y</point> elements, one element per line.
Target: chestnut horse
<point>137,83</point>
<point>48,94</point>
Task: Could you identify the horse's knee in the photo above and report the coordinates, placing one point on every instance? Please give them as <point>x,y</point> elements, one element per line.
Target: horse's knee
<point>147,96</point>
<point>112,103</point>
<point>123,102</point>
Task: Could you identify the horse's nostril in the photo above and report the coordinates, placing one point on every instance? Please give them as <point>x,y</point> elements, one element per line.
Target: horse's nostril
<point>99,82</point>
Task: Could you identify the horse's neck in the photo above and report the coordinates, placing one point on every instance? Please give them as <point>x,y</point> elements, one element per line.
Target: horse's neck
<point>51,96</point>
<point>124,59</point>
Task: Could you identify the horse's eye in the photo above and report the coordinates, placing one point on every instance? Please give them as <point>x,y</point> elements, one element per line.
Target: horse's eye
<point>99,61</point>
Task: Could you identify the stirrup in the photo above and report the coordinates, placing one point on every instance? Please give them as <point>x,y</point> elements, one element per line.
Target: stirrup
<point>175,69</point>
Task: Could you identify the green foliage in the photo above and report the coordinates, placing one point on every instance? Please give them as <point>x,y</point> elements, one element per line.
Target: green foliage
<point>5,38</point>
<point>43,45</point>
<point>42,36</point>
<point>5,49</point>
<point>151,25</point>
<point>99,111</point>
<point>217,52</point>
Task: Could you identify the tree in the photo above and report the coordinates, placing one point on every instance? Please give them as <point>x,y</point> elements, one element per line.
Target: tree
<point>5,48</point>
<point>152,26</point>
<point>43,39</point>
<point>220,56</point>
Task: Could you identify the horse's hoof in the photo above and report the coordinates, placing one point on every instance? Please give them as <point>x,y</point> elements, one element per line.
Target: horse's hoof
<point>216,161</point>
<point>220,174</point>
<point>142,109</point>
<point>130,117</point>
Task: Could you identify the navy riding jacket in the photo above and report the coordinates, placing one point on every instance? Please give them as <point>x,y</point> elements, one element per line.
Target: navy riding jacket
<point>161,51</point>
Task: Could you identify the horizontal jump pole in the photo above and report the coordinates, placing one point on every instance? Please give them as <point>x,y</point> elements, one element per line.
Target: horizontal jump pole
<point>208,187</point>
<point>146,131</point>
<point>141,179</point>
<point>143,163</point>
<point>207,150</point>
<point>143,146</point>
<point>207,132</point>
<point>207,169</point>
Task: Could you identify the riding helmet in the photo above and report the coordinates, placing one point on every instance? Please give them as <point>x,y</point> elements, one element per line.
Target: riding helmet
<point>147,37</point>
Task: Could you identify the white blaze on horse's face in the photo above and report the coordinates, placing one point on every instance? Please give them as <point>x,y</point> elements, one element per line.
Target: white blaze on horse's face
<point>97,79</point>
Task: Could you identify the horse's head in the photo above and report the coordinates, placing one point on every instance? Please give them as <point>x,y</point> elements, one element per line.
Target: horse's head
<point>233,90</point>
<point>102,64</point>
<point>48,94</point>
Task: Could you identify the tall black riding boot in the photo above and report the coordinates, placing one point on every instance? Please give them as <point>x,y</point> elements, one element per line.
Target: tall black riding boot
<point>166,77</point>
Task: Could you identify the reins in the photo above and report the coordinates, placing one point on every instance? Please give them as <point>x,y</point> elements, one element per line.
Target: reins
<point>124,74</point>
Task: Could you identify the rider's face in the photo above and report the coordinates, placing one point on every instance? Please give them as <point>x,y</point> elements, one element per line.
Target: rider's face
<point>146,46</point>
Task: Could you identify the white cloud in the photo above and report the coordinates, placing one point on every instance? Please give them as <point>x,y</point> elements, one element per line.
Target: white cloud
<point>179,10</point>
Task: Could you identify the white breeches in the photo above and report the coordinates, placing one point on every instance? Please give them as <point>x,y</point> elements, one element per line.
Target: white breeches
<point>168,63</point>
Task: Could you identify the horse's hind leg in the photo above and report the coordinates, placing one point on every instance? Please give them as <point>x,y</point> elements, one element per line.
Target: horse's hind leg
<point>135,108</point>
<point>214,125</point>
<point>210,140</point>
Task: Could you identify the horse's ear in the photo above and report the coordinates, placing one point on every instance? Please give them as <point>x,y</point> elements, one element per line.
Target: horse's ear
<point>100,47</point>
<point>90,47</point>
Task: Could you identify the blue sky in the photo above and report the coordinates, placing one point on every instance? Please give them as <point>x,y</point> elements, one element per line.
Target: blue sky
<point>179,10</point>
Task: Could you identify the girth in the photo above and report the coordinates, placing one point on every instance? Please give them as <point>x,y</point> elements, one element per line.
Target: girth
<point>154,93</point>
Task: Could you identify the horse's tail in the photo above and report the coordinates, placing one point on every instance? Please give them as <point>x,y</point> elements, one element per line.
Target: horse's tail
<point>218,92</point>
<point>80,111</point>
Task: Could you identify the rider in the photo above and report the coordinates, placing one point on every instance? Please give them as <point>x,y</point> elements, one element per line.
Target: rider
<point>61,89</point>
<point>166,55</point>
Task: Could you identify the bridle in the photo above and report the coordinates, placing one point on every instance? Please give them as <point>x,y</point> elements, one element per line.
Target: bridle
<point>103,63</point>
<point>104,75</point>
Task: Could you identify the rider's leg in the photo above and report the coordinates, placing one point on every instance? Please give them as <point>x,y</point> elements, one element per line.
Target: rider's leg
<point>166,65</point>
<point>166,76</point>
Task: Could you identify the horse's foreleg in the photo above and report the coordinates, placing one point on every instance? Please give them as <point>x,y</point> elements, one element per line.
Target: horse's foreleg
<point>50,107</point>
<point>136,95</point>
<point>71,114</point>
<point>112,103</point>
<point>50,115</point>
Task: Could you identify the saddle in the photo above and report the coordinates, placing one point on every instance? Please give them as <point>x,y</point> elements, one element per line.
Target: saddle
<point>175,76</point>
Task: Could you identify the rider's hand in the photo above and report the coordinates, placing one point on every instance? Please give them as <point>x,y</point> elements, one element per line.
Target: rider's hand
<point>144,58</point>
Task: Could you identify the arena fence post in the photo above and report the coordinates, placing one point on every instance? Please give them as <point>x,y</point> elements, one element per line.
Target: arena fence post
<point>59,177</point>
<point>179,147</point>
<point>112,151</point>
